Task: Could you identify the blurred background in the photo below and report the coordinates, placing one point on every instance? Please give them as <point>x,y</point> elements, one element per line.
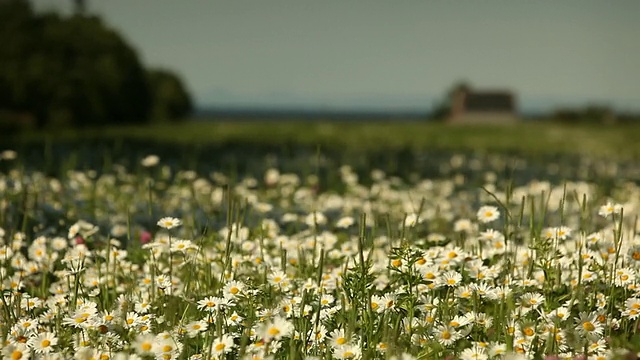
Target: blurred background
<point>528,76</point>
<point>84,62</point>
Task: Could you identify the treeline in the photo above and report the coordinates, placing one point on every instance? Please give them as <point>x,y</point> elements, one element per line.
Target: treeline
<point>75,71</point>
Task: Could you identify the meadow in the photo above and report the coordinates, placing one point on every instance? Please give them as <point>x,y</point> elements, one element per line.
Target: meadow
<point>321,240</point>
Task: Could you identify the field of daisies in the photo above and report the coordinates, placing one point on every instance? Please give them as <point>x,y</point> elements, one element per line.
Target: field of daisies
<point>150,261</point>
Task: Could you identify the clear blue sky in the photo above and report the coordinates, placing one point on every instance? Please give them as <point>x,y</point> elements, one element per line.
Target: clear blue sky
<point>385,54</point>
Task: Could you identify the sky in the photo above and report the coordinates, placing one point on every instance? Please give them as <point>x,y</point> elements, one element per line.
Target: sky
<point>385,55</point>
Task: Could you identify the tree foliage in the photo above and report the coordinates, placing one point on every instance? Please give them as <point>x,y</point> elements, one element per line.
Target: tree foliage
<point>75,71</point>
<point>170,98</point>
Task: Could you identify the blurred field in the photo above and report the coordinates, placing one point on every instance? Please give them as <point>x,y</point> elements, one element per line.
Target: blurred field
<point>527,138</point>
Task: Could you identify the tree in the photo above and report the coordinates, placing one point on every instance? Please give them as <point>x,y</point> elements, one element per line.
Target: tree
<point>80,7</point>
<point>169,98</point>
<point>442,109</point>
<point>77,71</point>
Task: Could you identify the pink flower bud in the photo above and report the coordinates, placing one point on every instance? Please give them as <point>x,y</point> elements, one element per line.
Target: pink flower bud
<point>79,240</point>
<point>145,237</point>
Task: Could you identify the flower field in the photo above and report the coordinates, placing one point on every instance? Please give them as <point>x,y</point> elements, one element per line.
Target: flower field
<point>151,261</point>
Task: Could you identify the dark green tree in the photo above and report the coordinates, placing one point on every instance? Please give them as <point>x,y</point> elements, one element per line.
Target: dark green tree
<point>170,99</point>
<point>77,71</point>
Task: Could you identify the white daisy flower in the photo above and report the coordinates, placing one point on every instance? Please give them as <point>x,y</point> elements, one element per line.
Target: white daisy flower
<point>487,214</point>
<point>169,222</point>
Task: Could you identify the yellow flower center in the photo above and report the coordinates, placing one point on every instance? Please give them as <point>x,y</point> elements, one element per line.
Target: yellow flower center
<point>588,326</point>
<point>341,341</point>
<point>45,343</point>
<point>220,347</point>
<point>274,331</point>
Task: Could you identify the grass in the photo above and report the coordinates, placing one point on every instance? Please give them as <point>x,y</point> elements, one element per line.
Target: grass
<point>321,260</point>
<point>137,261</point>
<point>614,141</point>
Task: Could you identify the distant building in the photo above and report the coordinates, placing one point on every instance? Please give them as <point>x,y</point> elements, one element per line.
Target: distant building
<point>489,106</point>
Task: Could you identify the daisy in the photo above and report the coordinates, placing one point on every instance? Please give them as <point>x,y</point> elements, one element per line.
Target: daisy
<point>464,225</point>
<point>318,334</point>
<point>169,222</point>
<point>182,246</point>
<point>531,300</point>
<point>632,308</point>
<point>338,338</point>
<point>233,288</point>
<point>487,214</point>
<point>326,300</point>
<point>315,218</point>
<point>234,319</point>
<point>382,347</point>
<point>557,233</point>
<point>459,321</point>
<point>132,320</point>
<point>345,222</point>
<point>150,161</point>
<point>195,327</point>
<point>624,276</point>
<point>447,335</point>
<point>411,220</point>
<point>377,303</point>
<point>28,325</point>
<point>451,278</point>
<point>278,278</point>
<point>276,329</point>
<point>347,352</point>
<point>15,351</point>
<point>144,344</point>
<point>609,208</point>
<point>142,307</point>
<point>497,349</point>
<point>480,319</point>
<point>166,348</point>
<point>43,343</point>
<point>210,303</point>
<point>475,353</point>
<point>588,326</point>
<point>222,345</point>
<point>559,314</point>
<point>491,235</point>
